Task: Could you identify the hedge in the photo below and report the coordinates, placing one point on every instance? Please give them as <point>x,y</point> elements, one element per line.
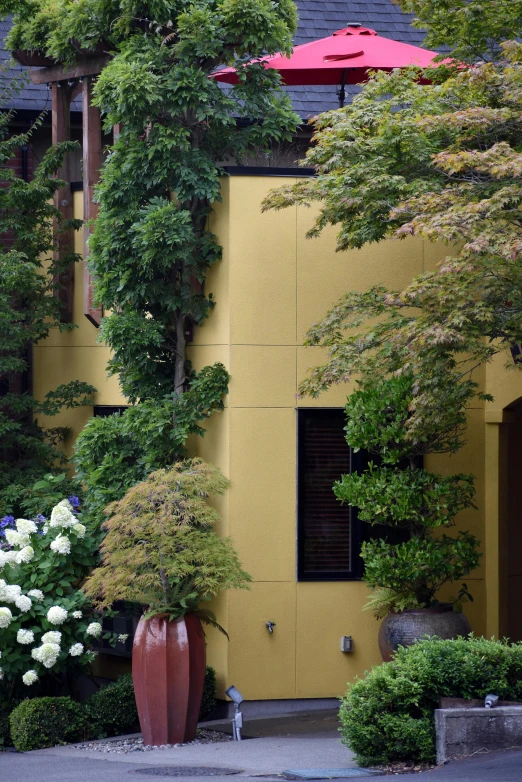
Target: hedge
<point>388,715</point>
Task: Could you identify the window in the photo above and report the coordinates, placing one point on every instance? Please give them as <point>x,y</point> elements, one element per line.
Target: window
<point>329,534</point>
<point>328,541</point>
<point>103,411</point>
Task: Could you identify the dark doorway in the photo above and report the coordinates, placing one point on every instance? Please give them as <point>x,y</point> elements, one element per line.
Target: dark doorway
<point>510,564</point>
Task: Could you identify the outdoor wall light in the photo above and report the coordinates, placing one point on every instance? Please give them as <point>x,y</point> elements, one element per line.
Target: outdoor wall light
<point>237,719</point>
<point>347,643</point>
<point>234,695</point>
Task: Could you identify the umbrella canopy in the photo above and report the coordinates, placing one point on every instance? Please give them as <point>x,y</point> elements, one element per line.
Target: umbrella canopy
<point>343,58</point>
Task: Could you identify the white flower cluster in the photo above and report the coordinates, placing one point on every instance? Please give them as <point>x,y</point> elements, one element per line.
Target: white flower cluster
<point>52,637</point>
<point>5,617</point>
<point>61,545</point>
<point>25,637</point>
<point>23,603</point>
<point>9,592</point>
<point>21,537</point>
<point>62,515</point>
<point>26,527</point>
<point>65,529</point>
<point>30,677</point>
<point>47,654</point>
<point>16,557</point>
<point>56,615</point>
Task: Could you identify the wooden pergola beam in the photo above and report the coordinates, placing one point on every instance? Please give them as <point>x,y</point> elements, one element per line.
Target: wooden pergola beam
<point>67,82</point>
<point>88,66</point>
<point>61,131</point>
<point>92,161</point>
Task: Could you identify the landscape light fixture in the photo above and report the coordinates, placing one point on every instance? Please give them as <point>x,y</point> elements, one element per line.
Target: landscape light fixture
<point>237,719</point>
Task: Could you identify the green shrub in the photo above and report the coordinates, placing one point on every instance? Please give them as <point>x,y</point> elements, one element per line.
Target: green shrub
<point>46,722</point>
<point>208,702</point>
<point>113,708</point>
<point>388,715</point>
<point>6,707</point>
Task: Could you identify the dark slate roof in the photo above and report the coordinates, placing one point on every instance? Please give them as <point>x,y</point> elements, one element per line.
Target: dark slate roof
<point>320,18</point>
<point>317,19</point>
<point>33,98</point>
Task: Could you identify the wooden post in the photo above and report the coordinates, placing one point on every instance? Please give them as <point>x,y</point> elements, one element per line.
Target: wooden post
<point>61,131</point>
<point>92,159</point>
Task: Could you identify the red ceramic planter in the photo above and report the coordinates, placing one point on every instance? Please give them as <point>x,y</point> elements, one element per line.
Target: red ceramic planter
<point>168,670</point>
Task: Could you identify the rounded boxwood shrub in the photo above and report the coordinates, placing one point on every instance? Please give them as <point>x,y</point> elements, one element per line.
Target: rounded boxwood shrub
<point>388,715</point>
<point>46,722</point>
<point>112,709</point>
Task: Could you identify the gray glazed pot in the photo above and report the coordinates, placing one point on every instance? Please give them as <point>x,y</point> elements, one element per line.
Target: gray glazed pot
<point>407,627</point>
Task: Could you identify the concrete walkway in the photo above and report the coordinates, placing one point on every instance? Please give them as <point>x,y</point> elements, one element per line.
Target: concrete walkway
<point>266,756</point>
<point>260,756</point>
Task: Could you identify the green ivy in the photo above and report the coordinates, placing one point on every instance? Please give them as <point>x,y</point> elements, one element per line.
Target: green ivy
<point>114,453</point>
<point>29,311</point>
<point>151,246</point>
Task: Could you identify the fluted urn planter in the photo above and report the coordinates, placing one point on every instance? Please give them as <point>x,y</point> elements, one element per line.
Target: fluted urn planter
<point>168,670</point>
<point>407,627</point>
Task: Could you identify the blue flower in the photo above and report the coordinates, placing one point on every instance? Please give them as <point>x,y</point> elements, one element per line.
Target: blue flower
<point>6,521</point>
<point>75,501</point>
<point>40,519</point>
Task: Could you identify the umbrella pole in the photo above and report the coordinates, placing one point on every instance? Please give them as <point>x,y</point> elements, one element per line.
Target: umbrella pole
<point>342,92</point>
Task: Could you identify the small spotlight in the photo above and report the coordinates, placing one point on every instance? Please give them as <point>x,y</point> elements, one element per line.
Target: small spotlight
<point>237,719</point>
<point>234,695</point>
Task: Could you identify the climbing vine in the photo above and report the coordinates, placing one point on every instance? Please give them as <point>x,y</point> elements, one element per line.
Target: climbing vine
<point>152,246</point>
<point>29,309</point>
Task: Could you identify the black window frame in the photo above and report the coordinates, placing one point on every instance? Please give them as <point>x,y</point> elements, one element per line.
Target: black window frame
<point>104,411</point>
<point>358,532</point>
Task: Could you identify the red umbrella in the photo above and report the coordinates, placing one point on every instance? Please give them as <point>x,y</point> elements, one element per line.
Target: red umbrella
<point>343,58</point>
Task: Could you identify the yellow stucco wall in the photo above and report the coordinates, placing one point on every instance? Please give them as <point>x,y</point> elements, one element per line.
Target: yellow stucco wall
<point>75,355</point>
<point>271,285</point>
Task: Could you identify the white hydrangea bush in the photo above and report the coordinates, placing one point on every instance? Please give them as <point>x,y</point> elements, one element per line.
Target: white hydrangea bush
<point>46,623</point>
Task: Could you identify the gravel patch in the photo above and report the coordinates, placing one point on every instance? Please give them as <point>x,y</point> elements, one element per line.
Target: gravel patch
<point>124,746</point>
<point>405,767</point>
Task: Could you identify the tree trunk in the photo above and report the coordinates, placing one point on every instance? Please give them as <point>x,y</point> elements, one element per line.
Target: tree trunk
<point>181,349</point>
